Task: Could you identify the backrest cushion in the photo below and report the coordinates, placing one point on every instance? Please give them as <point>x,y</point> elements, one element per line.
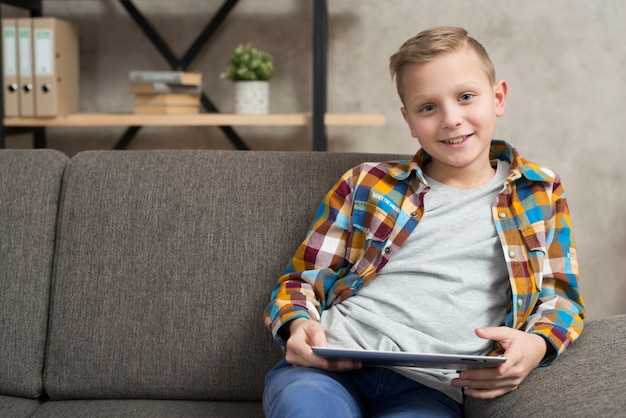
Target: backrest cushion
<point>30,184</point>
<point>166,260</point>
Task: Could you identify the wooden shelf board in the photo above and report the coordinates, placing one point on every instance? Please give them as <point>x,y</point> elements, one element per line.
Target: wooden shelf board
<point>203,119</point>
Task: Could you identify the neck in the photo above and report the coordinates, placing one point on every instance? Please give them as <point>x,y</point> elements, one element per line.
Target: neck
<point>462,178</point>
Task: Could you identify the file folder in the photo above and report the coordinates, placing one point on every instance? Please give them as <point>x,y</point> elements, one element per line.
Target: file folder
<point>25,67</point>
<point>55,53</point>
<point>9,68</point>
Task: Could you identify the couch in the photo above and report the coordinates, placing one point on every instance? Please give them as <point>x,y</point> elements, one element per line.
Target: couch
<point>132,284</point>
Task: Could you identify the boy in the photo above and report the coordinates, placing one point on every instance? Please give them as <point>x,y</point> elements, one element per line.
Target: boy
<point>466,248</point>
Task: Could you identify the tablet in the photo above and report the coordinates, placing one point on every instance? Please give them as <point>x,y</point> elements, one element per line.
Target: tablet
<point>397,358</point>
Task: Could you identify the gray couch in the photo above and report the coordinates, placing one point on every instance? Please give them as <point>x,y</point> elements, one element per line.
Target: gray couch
<point>132,285</point>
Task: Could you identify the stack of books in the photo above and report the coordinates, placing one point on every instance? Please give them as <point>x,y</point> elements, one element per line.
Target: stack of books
<point>166,92</point>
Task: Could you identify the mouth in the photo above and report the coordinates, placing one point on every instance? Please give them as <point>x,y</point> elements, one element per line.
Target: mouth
<point>457,140</point>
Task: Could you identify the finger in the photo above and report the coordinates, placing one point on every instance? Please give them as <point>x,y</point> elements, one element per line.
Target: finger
<point>316,335</point>
<point>304,356</point>
<point>488,393</point>
<point>485,383</point>
<point>344,365</point>
<point>487,373</point>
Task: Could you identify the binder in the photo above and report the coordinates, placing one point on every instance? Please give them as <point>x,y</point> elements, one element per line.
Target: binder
<point>168,77</point>
<point>9,69</point>
<point>55,53</point>
<point>25,67</point>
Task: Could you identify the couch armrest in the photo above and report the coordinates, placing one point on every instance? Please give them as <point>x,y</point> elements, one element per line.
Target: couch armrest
<point>587,380</point>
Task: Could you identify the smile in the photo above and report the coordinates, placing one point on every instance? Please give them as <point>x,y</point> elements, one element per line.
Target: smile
<point>456,140</point>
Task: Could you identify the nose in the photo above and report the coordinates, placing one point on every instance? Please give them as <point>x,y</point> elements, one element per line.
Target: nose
<point>452,117</point>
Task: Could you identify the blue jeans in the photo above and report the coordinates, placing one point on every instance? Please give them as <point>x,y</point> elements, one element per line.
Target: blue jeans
<point>301,392</point>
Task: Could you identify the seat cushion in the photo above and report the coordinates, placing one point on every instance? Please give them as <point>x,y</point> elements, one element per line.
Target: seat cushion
<point>14,407</point>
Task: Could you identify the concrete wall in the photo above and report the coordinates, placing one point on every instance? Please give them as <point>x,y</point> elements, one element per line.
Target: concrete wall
<point>564,61</point>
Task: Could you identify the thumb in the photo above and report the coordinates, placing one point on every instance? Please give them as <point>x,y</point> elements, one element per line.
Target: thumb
<point>494,333</point>
<point>316,335</point>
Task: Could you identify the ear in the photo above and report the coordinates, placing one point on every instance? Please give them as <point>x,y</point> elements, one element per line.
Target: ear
<point>501,89</point>
<point>405,115</point>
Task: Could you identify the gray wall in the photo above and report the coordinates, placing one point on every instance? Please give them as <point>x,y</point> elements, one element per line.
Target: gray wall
<point>564,61</point>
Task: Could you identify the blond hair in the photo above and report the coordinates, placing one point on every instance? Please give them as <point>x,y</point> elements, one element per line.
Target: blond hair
<point>428,44</point>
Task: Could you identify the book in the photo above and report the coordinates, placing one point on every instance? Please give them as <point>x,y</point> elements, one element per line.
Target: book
<point>165,99</point>
<point>56,67</point>
<point>26,76</point>
<point>166,109</point>
<point>165,88</point>
<point>169,77</point>
<point>10,68</point>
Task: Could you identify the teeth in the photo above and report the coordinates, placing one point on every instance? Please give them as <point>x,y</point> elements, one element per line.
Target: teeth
<point>456,140</point>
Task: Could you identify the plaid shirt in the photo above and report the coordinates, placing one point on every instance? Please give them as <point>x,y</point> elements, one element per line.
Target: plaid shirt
<point>371,211</point>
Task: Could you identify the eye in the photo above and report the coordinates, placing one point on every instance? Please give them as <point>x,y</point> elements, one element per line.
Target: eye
<point>426,108</point>
<point>465,97</point>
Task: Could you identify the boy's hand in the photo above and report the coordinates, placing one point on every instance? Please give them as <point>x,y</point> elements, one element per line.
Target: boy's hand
<point>523,351</point>
<point>304,334</point>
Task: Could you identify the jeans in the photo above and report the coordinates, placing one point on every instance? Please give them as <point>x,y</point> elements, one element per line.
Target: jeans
<point>301,392</point>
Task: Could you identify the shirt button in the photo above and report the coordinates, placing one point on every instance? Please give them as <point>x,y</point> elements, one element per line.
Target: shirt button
<point>387,250</point>
<point>520,302</point>
<point>502,214</point>
<point>413,214</point>
<point>512,254</point>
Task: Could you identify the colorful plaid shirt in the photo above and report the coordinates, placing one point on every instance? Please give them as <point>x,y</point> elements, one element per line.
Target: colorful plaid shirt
<point>370,212</point>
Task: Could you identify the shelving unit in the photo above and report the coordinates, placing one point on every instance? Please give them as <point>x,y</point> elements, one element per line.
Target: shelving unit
<point>204,119</point>
<point>318,119</point>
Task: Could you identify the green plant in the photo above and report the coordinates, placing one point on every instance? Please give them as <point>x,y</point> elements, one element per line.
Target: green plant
<point>249,64</point>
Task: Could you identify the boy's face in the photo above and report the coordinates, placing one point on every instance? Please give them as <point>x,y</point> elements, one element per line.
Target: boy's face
<point>451,108</point>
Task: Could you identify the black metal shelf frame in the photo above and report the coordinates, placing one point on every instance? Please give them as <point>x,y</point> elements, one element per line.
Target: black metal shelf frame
<point>39,134</point>
<point>320,40</point>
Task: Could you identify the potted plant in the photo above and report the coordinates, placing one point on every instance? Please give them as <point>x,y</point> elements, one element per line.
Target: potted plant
<point>250,69</point>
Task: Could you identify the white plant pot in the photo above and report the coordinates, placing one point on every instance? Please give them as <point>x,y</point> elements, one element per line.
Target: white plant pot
<point>252,97</point>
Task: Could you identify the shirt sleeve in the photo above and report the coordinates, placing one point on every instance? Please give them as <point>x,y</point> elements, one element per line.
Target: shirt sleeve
<point>559,312</point>
<point>311,280</point>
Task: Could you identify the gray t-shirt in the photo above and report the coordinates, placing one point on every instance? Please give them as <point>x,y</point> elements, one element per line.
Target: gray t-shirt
<point>449,278</point>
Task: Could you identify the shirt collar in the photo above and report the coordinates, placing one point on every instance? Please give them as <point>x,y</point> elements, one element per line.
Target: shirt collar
<point>500,150</point>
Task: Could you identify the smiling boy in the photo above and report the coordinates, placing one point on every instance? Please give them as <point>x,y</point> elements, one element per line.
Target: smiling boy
<point>466,248</point>
<point>451,104</point>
